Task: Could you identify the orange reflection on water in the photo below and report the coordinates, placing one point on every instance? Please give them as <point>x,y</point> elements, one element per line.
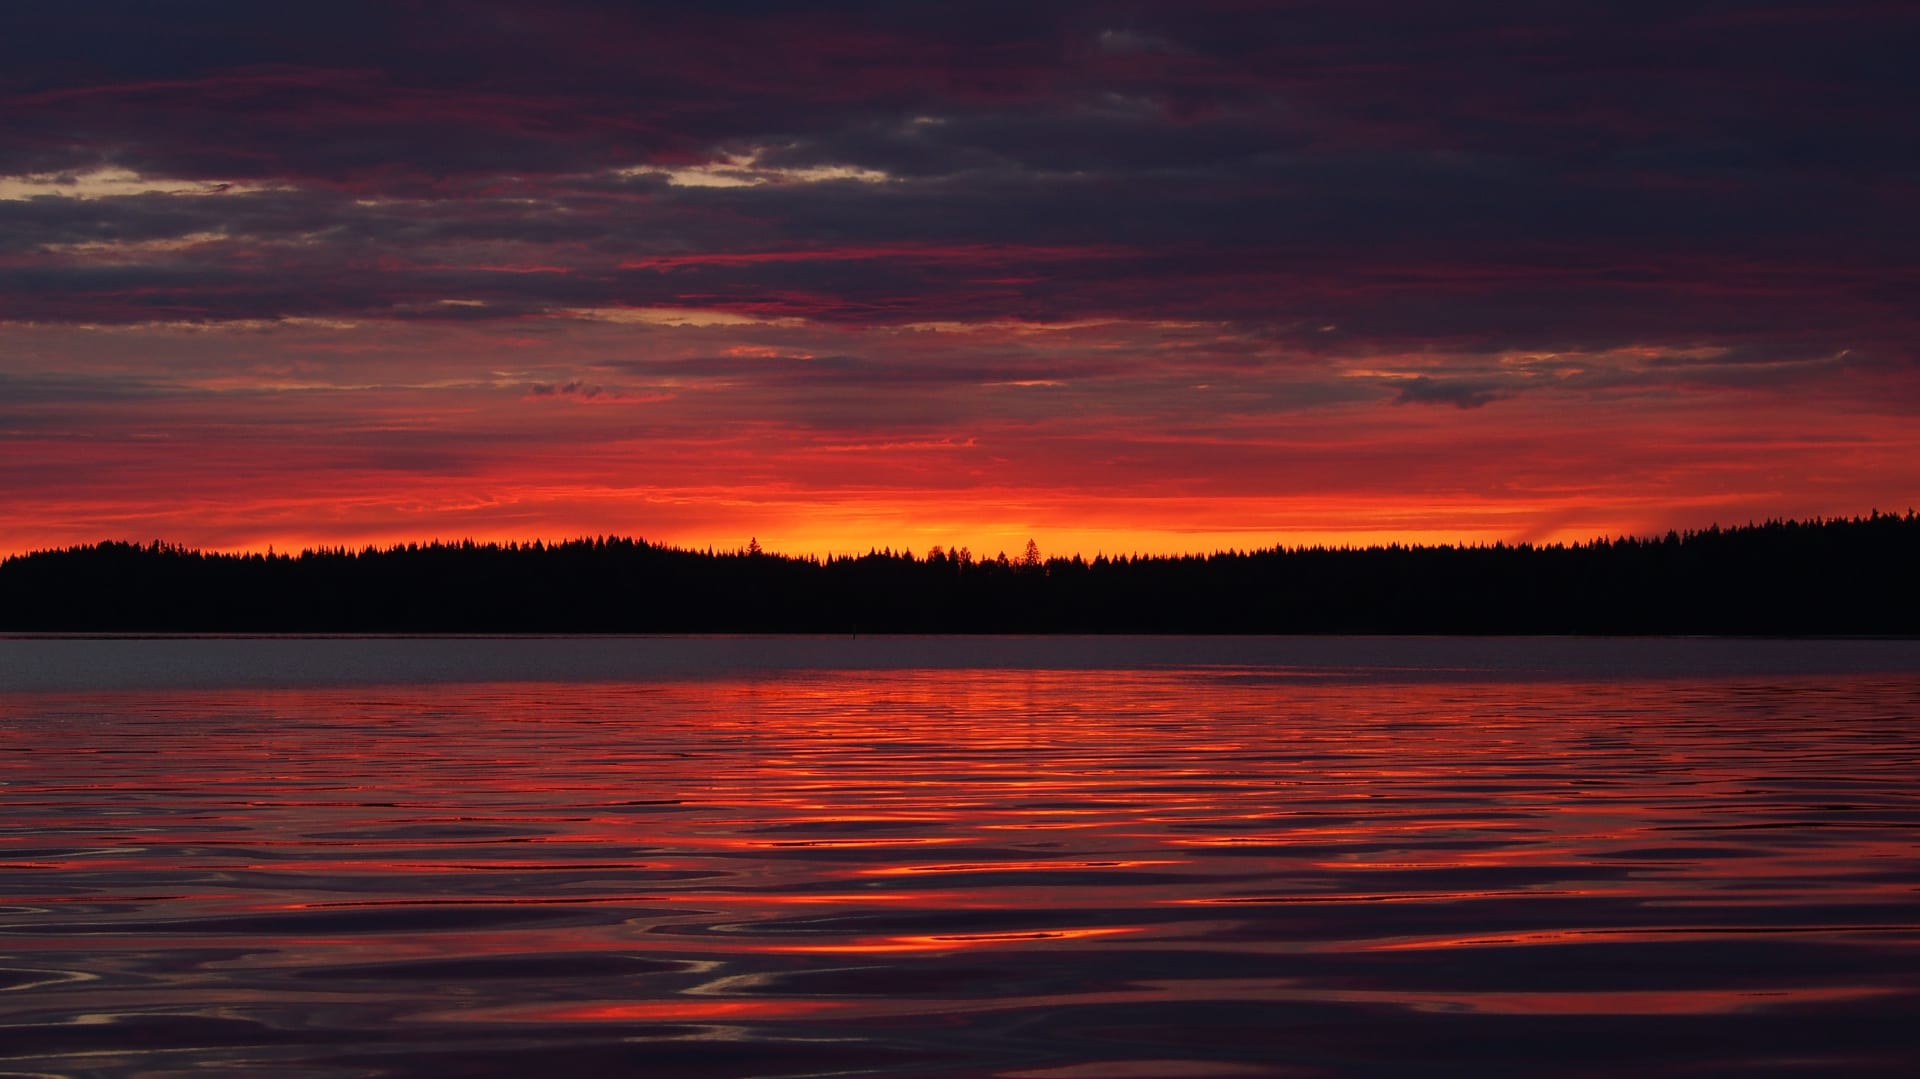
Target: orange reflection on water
<point>994,867</point>
<point>680,1010</point>
<point>952,941</point>
<point>865,854</point>
<point>788,1009</point>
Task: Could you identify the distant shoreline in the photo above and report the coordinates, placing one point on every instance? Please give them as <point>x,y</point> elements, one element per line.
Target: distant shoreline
<point>1853,578</point>
<point>48,664</point>
<point>561,635</point>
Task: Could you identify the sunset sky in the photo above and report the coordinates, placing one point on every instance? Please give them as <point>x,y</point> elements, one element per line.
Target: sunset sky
<point>1115,276</point>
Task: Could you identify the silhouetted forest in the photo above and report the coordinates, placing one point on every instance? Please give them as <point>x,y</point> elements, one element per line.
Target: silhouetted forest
<point>1853,576</point>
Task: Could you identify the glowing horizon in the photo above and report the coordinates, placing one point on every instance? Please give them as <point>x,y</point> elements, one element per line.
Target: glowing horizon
<point>1155,280</point>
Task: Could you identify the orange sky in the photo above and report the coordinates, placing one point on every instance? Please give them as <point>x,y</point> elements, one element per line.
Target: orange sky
<point>324,444</point>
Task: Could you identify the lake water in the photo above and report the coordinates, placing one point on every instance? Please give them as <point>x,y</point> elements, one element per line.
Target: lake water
<point>1055,858</point>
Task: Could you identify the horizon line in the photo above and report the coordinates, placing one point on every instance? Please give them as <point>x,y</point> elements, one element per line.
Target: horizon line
<point>748,549</point>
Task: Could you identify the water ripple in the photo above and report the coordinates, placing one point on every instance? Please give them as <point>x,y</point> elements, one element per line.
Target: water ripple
<point>1184,871</point>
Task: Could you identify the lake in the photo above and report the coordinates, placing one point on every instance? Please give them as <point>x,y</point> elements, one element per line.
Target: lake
<point>1053,858</point>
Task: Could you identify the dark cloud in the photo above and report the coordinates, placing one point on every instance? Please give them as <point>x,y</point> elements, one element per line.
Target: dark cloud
<point>21,393</point>
<point>795,371</point>
<point>1470,177</point>
<point>574,388</point>
<point>1460,393</point>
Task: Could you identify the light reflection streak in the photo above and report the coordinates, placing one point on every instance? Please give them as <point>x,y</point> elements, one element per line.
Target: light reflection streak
<point>996,867</point>
<point>946,942</point>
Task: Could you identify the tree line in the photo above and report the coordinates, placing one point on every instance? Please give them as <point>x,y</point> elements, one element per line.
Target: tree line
<point>1824,576</point>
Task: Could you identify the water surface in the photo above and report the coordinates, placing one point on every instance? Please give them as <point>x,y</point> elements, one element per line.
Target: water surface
<point>1049,858</point>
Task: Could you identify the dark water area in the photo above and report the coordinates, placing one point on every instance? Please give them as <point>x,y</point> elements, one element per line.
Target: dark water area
<point>955,857</point>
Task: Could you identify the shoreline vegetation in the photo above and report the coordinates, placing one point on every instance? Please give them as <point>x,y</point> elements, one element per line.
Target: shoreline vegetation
<point>1841,576</point>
